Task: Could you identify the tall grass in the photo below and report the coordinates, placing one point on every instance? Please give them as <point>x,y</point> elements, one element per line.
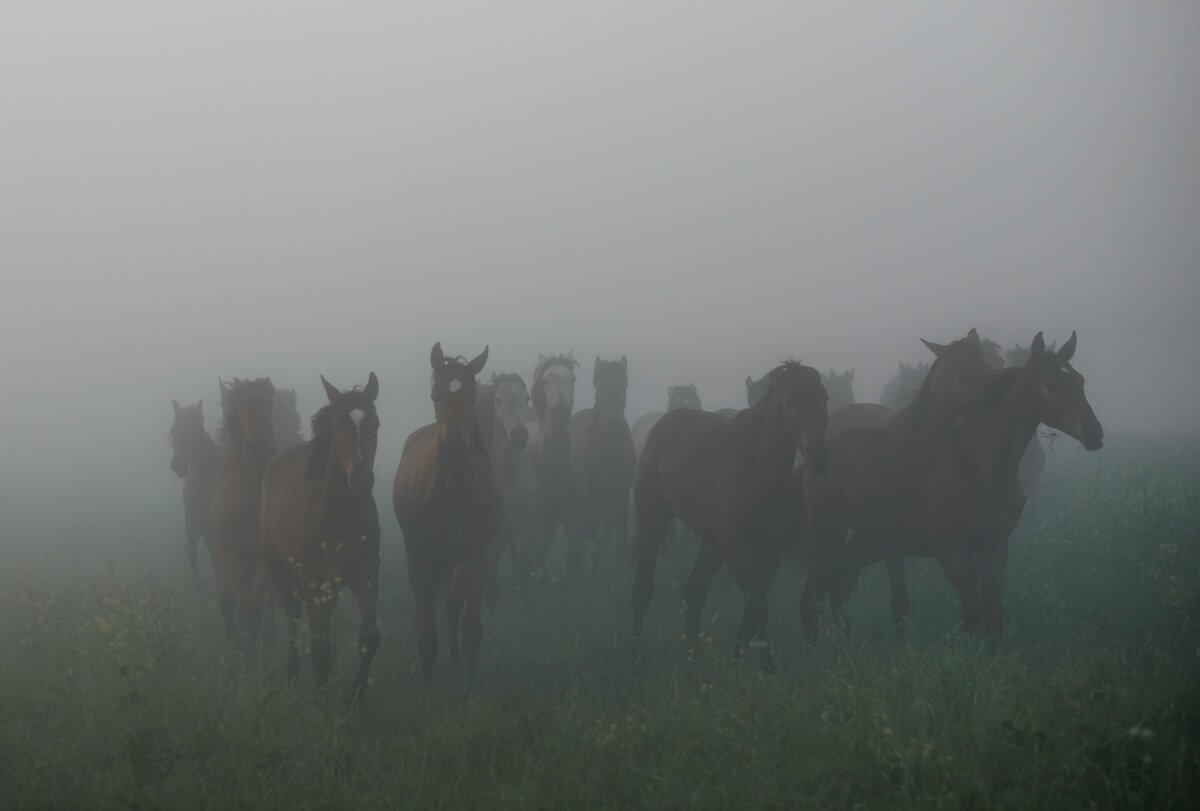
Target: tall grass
<point>114,691</point>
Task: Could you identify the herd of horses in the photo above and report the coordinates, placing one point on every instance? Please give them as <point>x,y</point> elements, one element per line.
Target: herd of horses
<point>943,469</point>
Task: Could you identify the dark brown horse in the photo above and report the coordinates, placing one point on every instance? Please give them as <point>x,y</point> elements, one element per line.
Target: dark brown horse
<point>960,371</point>
<point>604,462</point>
<point>320,529</point>
<point>194,458</point>
<point>951,494</point>
<point>553,392</point>
<point>286,419</point>
<point>677,397</point>
<point>247,438</point>
<point>449,507</point>
<point>722,478</point>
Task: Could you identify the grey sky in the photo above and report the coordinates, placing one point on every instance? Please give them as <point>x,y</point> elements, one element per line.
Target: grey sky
<point>187,192</point>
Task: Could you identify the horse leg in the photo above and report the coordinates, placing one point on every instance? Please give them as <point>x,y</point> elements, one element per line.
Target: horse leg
<point>754,574</point>
<point>956,564</point>
<point>271,599</point>
<point>320,611</point>
<point>424,617</point>
<point>366,594</point>
<point>501,543</point>
<point>993,563</point>
<point>191,539</point>
<point>900,602</point>
<point>291,610</point>
<point>454,610</point>
<point>647,540</point>
<point>695,591</point>
<point>473,571</point>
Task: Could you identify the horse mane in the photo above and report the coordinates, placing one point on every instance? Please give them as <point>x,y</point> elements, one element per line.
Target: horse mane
<point>508,377</point>
<point>322,429</point>
<point>456,363</point>
<point>993,392</point>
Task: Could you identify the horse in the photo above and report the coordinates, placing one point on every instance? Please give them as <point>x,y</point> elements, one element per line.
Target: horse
<point>194,458</point>
<point>286,419</point>
<point>677,397</point>
<point>247,437</point>
<point>553,393</point>
<point>449,506</point>
<point>952,494</point>
<point>722,478</point>
<point>503,410</point>
<point>840,388</point>
<point>604,461</point>
<point>320,529</point>
<point>960,371</point>
<point>901,389</point>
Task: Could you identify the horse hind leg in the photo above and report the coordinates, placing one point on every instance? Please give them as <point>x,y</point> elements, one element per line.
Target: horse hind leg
<point>366,594</point>
<point>425,620</point>
<point>320,612</point>
<point>191,540</point>
<point>473,572</point>
<point>647,540</point>
<point>695,590</point>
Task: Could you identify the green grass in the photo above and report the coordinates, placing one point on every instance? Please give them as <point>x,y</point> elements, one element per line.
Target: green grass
<point>113,691</point>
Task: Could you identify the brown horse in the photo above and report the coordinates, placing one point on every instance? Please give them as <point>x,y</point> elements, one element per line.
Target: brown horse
<point>248,443</point>
<point>951,494</point>
<point>194,458</point>
<point>286,419</point>
<point>677,397</point>
<point>449,507</point>
<point>960,371</point>
<point>553,392</point>
<point>722,478</point>
<point>320,529</point>
<point>604,461</point>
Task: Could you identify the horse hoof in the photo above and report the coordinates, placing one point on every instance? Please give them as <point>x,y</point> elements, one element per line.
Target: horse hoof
<point>356,695</point>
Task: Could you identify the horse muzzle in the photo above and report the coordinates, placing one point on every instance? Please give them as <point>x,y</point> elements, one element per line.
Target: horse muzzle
<point>520,437</point>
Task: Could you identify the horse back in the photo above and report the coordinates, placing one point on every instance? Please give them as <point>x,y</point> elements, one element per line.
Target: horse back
<point>856,415</point>
<point>679,465</point>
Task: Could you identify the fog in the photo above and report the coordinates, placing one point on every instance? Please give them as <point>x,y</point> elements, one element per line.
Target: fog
<point>188,193</point>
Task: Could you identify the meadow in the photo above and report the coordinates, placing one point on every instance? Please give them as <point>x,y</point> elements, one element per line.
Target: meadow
<point>114,691</point>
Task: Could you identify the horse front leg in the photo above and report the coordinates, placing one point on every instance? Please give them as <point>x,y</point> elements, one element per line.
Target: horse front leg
<point>320,613</point>
<point>993,563</point>
<point>473,576</point>
<point>366,595</point>
<point>901,605</point>
<point>454,608</point>
<point>963,576</point>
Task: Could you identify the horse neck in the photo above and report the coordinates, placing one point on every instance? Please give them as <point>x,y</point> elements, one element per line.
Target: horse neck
<point>774,446</point>
<point>333,498</point>
<point>1005,432</point>
<point>204,455</point>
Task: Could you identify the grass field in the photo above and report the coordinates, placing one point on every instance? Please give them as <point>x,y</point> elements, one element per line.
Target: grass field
<point>112,691</point>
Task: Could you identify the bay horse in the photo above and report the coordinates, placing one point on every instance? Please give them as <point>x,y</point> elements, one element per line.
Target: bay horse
<point>553,392</point>
<point>247,438</point>
<point>952,494</point>
<point>959,372</point>
<point>194,458</point>
<point>286,420</point>
<point>901,389</point>
<point>504,411</point>
<point>677,397</point>
<point>604,461</point>
<point>449,507</point>
<point>722,478</point>
<point>320,529</point>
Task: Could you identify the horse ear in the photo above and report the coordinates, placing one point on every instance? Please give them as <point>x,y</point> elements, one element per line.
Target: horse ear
<point>476,366</point>
<point>200,406</point>
<point>224,388</point>
<point>541,359</point>
<point>175,403</point>
<point>330,390</point>
<point>436,358</point>
<point>749,381</point>
<point>493,380</point>
<point>597,362</point>
<point>571,356</point>
<point>850,374</point>
<point>371,390</point>
<point>624,362</point>
<point>1037,347</point>
<point>973,337</point>
<point>936,349</point>
<point>1068,349</point>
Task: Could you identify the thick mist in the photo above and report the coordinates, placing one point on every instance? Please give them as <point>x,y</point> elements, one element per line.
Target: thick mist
<point>218,190</point>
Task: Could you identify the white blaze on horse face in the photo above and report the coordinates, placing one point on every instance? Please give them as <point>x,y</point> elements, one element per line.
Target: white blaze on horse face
<point>356,416</point>
<point>455,386</point>
<point>560,387</point>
